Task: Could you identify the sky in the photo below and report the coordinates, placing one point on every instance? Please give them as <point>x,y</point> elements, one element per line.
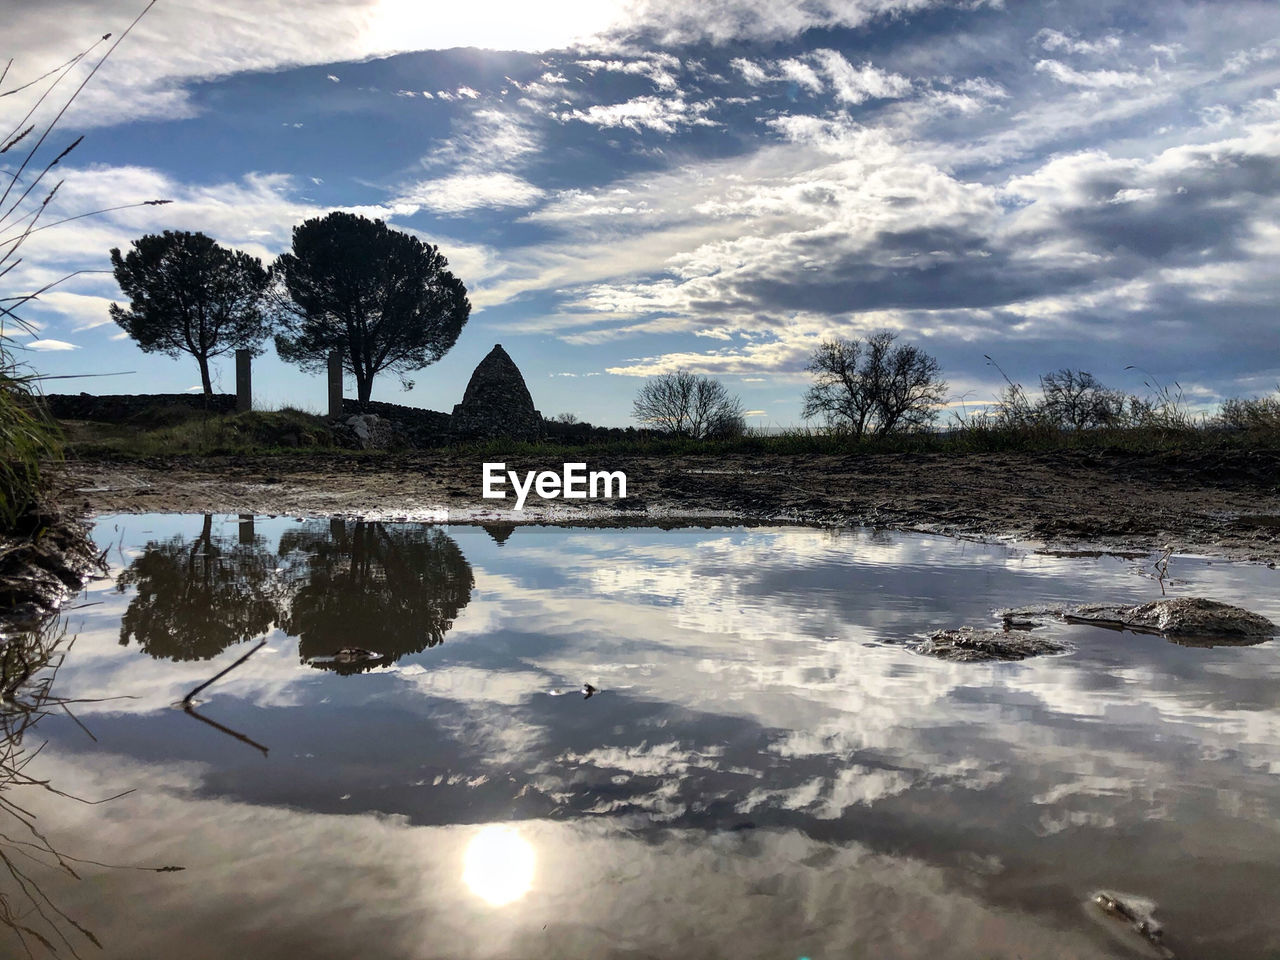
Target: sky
<point>630,187</point>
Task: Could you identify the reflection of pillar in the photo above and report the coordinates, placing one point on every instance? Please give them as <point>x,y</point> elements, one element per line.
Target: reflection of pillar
<point>337,529</point>
<point>244,381</point>
<point>335,384</point>
<point>246,529</point>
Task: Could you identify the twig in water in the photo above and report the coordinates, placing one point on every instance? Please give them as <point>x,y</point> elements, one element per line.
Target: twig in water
<point>186,701</point>
<point>1162,567</point>
<point>190,711</point>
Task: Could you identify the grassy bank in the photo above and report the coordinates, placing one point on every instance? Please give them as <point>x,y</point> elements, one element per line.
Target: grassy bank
<point>288,431</point>
<point>177,432</point>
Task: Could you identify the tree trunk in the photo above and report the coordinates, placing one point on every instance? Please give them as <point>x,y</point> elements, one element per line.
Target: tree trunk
<point>204,375</point>
<point>363,388</point>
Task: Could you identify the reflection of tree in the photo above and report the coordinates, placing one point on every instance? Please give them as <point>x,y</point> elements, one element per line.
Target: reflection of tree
<point>389,590</point>
<point>194,599</point>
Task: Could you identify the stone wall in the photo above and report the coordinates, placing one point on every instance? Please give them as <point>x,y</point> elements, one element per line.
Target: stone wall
<point>133,408</point>
<point>418,427</point>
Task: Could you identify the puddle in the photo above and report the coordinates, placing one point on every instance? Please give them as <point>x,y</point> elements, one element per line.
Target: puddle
<point>764,768</point>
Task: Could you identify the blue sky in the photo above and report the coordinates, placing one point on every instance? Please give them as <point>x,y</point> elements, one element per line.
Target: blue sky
<point>633,187</point>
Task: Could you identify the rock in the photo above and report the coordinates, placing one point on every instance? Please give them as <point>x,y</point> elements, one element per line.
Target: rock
<point>1180,617</point>
<point>372,432</point>
<point>1135,914</point>
<point>414,426</point>
<point>966,645</point>
<point>497,402</point>
<point>1192,621</point>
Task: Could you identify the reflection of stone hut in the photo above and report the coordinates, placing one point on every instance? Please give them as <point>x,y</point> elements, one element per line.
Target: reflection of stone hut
<point>497,402</point>
<point>500,532</point>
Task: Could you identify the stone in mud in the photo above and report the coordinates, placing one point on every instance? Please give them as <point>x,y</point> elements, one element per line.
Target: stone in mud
<point>1135,915</point>
<point>967,645</point>
<point>1180,617</point>
<point>371,431</point>
<point>497,402</point>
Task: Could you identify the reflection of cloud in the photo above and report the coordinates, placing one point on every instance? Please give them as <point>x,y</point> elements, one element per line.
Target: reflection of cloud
<point>377,884</point>
<point>754,673</point>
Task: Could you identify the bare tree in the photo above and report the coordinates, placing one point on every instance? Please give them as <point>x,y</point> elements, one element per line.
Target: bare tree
<point>1075,399</point>
<point>873,386</point>
<point>689,405</point>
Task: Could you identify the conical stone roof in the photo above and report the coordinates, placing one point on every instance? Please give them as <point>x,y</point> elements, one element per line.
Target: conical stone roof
<point>497,402</point>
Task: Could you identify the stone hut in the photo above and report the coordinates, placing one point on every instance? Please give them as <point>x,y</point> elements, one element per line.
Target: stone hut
<point>497,402</point>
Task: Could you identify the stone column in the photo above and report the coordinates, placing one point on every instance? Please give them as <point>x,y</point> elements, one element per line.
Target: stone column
<point>244,381</point>
<point>335,385</point>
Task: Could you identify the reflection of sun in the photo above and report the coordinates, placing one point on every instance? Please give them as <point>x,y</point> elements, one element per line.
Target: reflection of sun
<point>498,865</point>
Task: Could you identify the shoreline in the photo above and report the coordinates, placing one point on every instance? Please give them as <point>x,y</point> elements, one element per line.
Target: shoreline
<point>1219,505</point>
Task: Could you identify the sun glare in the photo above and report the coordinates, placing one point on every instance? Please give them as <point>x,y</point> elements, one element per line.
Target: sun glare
<point>498,865</point>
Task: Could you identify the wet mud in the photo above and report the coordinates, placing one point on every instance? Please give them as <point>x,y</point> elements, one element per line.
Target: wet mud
<point>1219,504</point>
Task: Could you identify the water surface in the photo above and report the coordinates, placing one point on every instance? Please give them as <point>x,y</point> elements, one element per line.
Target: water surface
<point>766,771</point>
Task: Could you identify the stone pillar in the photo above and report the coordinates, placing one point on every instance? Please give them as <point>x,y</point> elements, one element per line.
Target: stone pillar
<point>335,385</point>
<point>244,381</point>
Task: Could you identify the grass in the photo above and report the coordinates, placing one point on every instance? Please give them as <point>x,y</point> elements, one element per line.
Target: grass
<point>288,431</point>
<point>192,433</point>
<point>28,440</point>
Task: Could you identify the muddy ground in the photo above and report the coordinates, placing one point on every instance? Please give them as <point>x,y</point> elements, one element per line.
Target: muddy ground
<point>1222,504</point>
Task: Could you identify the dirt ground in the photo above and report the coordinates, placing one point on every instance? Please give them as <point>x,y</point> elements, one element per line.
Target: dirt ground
<point>1219,504</point>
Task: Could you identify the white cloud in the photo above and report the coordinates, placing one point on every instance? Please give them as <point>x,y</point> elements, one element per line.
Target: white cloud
<point>148,75</point>
<point>801,74</point>
<point>752,73</point>
<point>660,68</point>
<point>51,345</point>
<point>486,139</point>
<point>677,21</point>
<point>856,84</point>
<point>849,84</point>
<point>1091,79</point>
<point>1057,40</point>
<point>464,192</point>
<point>644,113</point>
<point>84,312</point>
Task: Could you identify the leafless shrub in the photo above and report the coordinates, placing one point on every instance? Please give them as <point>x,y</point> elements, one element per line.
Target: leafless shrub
<point>873,386</point>
<point>692,405</point>
<point>1260,415</point>
<point>1075,400</point>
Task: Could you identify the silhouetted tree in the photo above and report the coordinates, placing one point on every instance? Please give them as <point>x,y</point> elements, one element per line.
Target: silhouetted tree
<point>873,386</point>
<point>689,405</point>
<point>190,295</point>
<point>382,298</point>
<point>1075,399</point>
<point>194,599</point>
<point>390,590</point>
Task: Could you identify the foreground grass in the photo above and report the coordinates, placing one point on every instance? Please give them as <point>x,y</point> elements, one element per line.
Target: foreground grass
<point>285,432</point>
<point>27,439</point>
